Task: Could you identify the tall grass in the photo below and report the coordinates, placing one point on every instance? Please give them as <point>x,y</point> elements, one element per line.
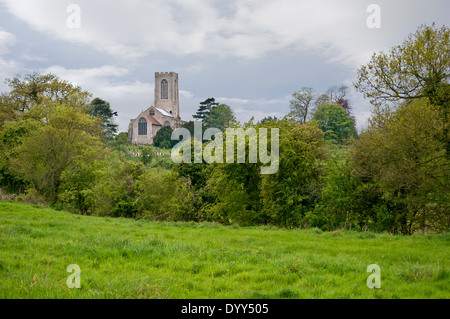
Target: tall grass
<point>122,258</point>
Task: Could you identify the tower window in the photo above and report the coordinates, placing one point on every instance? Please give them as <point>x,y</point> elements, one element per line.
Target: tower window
<point>164,90</point>
<point>142,126</point>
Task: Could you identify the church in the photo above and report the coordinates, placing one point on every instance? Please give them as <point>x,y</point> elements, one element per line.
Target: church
<point>164,112</point>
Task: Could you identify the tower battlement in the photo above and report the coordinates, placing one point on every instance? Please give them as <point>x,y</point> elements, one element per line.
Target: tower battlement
<point>157,74</point>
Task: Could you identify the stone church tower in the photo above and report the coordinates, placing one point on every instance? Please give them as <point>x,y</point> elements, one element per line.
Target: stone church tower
<point>166,92</point>
<point>164,112</point>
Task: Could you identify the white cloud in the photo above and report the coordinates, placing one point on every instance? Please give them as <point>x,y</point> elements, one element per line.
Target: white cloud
<point>87,76</point>
<point>127,98</point>
<point>32,58</point>
<point>7,67</point>
<point>240,28</point>
<point>7,40</point>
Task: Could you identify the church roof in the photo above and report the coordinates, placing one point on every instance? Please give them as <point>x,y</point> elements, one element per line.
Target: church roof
<point>164,112</point>
<point>153,120</point>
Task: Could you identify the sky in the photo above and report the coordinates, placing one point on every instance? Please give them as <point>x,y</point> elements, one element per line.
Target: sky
<point>249,54</point>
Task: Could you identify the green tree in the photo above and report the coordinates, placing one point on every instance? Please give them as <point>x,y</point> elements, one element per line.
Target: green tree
<point>163,138</point>
<point>400,153</point>
<point>146,155</point>
<point>268,119</point>
<point>412,70</point>
<point>27,108</point>
<point>12,136</point>
<point>116,189</point>
<point>419,67</point>
<point>120,142</point>
<point>68,137</point>
<point>222,116</point>
<point>99,108</point>
<point>334,122</point>
<point>204,112</point>
<point>291,193</point>
<point>35,95</point>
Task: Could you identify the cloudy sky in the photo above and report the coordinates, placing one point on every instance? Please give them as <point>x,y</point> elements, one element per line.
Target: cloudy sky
<point>249,54</point>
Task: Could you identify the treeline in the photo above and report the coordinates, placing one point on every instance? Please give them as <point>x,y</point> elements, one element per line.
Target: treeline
<point>57,147</point>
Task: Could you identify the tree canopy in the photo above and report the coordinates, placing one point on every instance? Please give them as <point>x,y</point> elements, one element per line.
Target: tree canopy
<point>415,69</point>
<point>334,122</point>
<point>102,109</point>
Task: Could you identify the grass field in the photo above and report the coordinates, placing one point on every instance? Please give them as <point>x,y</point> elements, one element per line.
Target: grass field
<point>121,258</point>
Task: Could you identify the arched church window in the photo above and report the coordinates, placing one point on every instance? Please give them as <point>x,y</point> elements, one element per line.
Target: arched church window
<point>166,123</point>
<point>164,90</point>
<point>142,126</point>
<point>152,112</point>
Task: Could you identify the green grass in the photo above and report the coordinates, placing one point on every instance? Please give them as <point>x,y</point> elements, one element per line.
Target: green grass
<point>122,258</point>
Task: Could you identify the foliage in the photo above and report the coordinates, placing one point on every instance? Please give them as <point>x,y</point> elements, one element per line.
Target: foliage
<point>351,202</point>
<point>411,70</point>
<point>268,119</point>
<point>290,193</point>
<point>335,122</point>
<point>412,168</point>
<point>120,143</point>
<point>163,138</point>
<point>69,137</point>
<point>162,195</point>
<point>222,117</point>
<point>204,112</point>
<point>35,95</point>
<point>146,155</point>
<point>102,109</point>
<point>116,189</point>
<point>11,136</point>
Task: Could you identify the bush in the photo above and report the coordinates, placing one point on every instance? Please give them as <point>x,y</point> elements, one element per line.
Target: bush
<point>116,190</point>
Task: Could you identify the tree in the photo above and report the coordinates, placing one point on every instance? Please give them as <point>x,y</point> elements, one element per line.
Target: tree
<point>322,99</point>
<point>400,153</point>
<point>70,137</point>
<point>35,95</point>
<point>120,142</point>
<point>337,93</point>
<point>268,119</point>
<point>102,109</point>
<point>346,106</point>
<point>163,138</point>
<point>222,116</point>
<point>25,109</point>
<point>412,70</point>
<point>290,193</point>
<point>419,67</point>
<point>334,122</point>
<point>146,155</point>
<point>11,136</point>
<point>300,105</point>
<point>204,112</point>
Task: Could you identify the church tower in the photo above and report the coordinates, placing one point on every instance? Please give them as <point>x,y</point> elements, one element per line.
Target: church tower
<point>166,93</point>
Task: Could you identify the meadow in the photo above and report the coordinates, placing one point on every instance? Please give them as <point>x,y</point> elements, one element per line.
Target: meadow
<point>125,258</point>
